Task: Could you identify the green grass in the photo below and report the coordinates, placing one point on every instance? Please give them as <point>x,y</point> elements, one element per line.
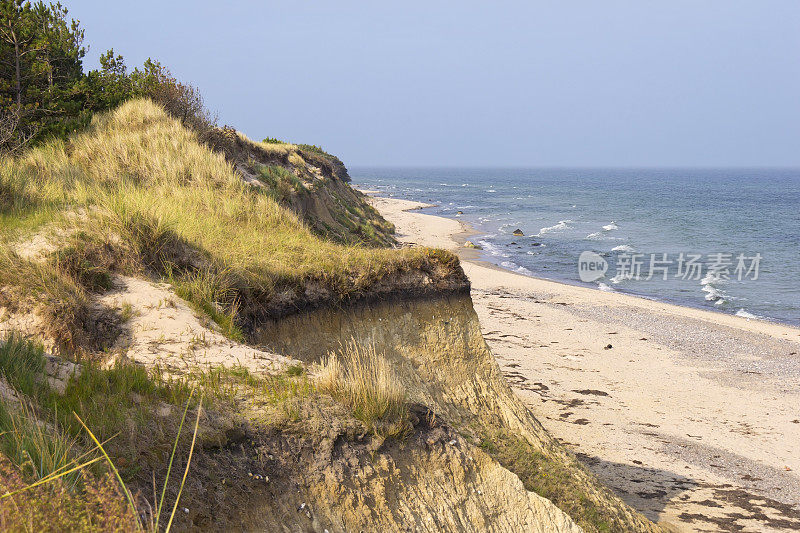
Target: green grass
<point>22,364</point>
<point>282,184</point>
<point>211,293</point>
<point>313,148</point>
<point>36,449</point>
<point>295,371</point>
<point>112,401</point>
<point>54,442</point>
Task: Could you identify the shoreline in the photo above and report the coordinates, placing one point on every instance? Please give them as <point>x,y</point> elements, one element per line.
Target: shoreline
<point>690,415</point>
<point>454,241</point>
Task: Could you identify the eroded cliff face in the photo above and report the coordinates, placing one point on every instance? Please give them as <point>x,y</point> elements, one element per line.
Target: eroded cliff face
<point>438,351</point>
<point>334,480</point>
<point>436,347</point>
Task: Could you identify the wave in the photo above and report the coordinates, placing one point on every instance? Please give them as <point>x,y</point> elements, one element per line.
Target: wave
<point>562,224</point>
<point>492,249</point>
<point>605,288</point>
<point>710,278</point>
<point>744,314</point>
<point>516,268</point>
<point>623,248</point>
<point>610,227</point>
<point>713,293</point>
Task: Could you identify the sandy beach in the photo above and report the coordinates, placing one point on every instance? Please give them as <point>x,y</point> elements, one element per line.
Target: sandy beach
<point>691,416</point>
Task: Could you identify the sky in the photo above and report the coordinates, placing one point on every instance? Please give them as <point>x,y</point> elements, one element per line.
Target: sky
<point>501,84</point>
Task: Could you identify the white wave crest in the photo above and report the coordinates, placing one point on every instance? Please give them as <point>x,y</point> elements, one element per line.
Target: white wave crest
<point>623,248</point>
<point>710,278</point>
<point>562,224</point>
<point>744,314</point>
<point>491,249</point>
<point>516,268</point>
<point>605,288</point>
<point>610,227</point>
<point>713,294</point>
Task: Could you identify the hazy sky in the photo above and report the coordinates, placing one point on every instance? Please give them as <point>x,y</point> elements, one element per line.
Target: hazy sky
<point>557,83</point>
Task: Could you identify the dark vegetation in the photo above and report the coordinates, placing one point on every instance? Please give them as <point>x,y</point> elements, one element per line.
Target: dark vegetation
<point>45,93</point>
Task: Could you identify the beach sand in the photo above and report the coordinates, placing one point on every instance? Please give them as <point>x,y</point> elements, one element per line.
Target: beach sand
<point>691,416</point>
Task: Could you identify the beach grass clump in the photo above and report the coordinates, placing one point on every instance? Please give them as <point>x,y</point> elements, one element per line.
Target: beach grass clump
<point>21,364</point>
<point>364,380</point>
<point>281,182</point>
<point>113,401</point>
<point>68,444</point>
<point>38,447</point>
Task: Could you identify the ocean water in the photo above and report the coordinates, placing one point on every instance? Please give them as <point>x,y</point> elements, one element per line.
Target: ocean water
<point>725,240</point>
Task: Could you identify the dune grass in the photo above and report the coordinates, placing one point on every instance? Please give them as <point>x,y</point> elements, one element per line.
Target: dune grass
<point>365,381</point>
<point>68,444</point>
<point>144,194</point>
<point>111,400</point>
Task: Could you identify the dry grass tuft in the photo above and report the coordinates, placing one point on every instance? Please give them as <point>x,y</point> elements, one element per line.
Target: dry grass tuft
<point>365,381</point>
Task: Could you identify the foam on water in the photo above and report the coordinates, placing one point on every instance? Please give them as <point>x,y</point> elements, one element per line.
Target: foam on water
<point>623,248</point>
<point>492,249</point>
<point>516,268</point>
<point>562,224</point>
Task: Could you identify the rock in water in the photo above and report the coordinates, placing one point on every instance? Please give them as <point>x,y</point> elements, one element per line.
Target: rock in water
<point>518,233</point>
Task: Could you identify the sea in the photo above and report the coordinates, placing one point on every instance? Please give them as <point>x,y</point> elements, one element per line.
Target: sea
<point>726,240</point>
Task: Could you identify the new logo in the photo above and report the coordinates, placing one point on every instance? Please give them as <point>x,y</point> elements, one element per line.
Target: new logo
<point>591,266</point>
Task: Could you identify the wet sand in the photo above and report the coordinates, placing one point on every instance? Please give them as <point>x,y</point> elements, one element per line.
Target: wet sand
<point>693,417</point>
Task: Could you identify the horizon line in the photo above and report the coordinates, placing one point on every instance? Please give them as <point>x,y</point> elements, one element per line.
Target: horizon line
<point>580,167</point>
